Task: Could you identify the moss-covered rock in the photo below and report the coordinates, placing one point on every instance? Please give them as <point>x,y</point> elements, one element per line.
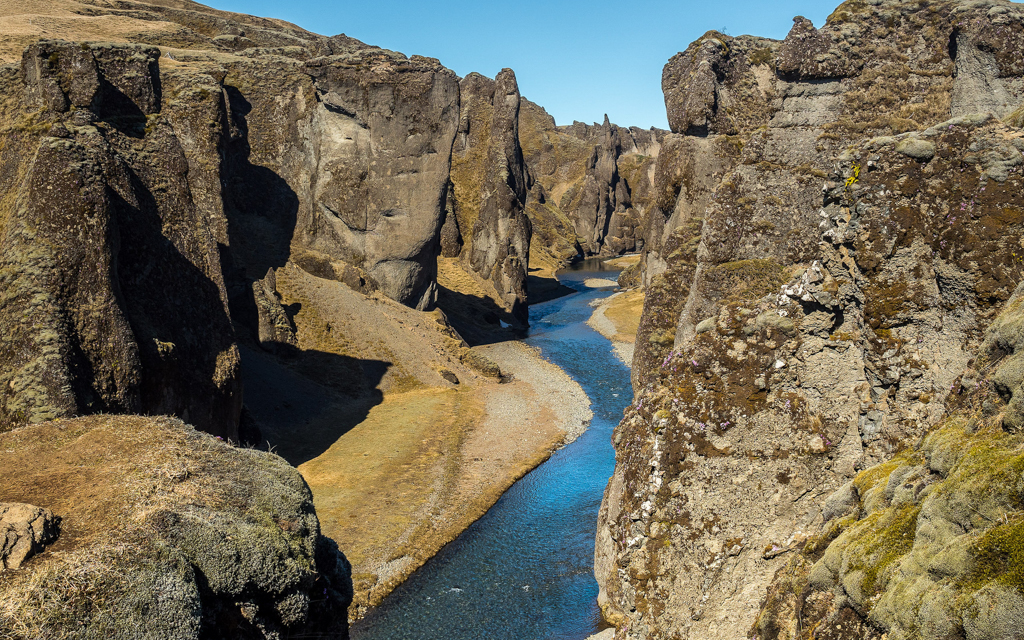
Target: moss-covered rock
<point>489,180</point>
<point>860,163</point>
<point>167,533</point>
<point>932,547</point>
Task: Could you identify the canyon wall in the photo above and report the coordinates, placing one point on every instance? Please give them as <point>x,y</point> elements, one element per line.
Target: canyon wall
<point>591,185</point>
<point>203,197</point>
<point>487,225</point>
<point>844,230</point>
<point>202,171</point>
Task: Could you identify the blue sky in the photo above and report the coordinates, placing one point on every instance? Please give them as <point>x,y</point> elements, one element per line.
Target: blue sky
<point>579,60</point>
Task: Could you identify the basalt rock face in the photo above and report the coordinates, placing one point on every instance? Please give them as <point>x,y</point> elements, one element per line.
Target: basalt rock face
<point>114,299</point>
<point>592,185</point>
<point>926,544</point>
<point>197,175</point>
<point>381,175</point>
<point>318,172</point>
<point>844,230</point>
<point>489,185</point>
<point>332,150</point>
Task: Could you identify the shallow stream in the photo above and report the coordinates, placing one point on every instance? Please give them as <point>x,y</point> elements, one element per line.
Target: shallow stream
<point>524,571</point>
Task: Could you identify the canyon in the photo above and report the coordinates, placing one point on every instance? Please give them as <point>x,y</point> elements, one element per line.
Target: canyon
<point>264,291</point>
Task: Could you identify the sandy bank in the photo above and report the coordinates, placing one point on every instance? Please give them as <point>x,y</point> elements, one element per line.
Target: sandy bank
<point>617,318</point>
<point>426,464</point>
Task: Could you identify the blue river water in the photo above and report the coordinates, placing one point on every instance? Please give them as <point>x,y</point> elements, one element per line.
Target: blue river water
<point>524,571</point>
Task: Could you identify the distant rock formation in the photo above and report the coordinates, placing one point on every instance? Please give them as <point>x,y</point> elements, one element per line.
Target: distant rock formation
<point>591,187</point>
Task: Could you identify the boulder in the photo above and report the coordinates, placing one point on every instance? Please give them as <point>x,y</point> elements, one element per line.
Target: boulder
<point>25,530</point>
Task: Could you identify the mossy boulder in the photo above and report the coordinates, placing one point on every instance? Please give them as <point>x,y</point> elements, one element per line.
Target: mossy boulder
<point>167,533</point>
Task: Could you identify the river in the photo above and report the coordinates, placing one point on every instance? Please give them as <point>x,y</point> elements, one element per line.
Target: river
<point>524,571</point>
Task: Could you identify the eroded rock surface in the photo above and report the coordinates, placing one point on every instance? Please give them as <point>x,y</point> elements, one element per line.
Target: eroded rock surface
<point>925,544</point>
<point>25,530</point>
<point>838,229</point>
<point>490,179</point>
<point>380,177</point>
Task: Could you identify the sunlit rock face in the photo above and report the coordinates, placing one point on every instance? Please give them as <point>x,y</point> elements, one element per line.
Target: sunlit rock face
<point>591,185</point>
<point>381,139</point>
<point>489,184</point>
<point>843,232</point>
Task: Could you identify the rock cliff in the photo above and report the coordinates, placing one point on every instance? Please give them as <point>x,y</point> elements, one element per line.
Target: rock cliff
<point>843,231</point>
<point>114,298</point>
<point>488,226</point>
<point>245,145</point>
<point>592,185</point>
<point>188,197</point>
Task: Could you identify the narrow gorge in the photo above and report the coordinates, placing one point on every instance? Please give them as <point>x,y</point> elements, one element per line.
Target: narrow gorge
<point>285,314</point>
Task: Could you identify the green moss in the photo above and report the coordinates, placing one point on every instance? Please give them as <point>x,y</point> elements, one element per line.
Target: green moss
<point>662,337</point>
<point>1016,119</point>
<point>999,556</point>
<point>890,542</point>
<point>876,476</point>
<point>762,56</point>
<point>744,280</point>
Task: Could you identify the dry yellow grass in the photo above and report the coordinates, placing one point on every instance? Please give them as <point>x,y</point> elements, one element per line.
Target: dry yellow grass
<point>617,319</point>
<point>403,468</point>
<point>624,261</point>
<point>384,489</point>
<point>25,22</point>
<point>624,313</point>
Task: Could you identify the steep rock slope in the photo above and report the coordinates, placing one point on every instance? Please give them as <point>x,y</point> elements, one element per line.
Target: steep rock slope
<point>926,544</point>
<point>230,155</point>
<point>114,299</point>
<point>487,225</point>
<point>809,305</point>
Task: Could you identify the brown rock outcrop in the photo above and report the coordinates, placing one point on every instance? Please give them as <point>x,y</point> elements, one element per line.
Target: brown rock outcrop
<point>489,179</point>
<point>275,327</point>
<point>25,530</point>
<point>167,533</point>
